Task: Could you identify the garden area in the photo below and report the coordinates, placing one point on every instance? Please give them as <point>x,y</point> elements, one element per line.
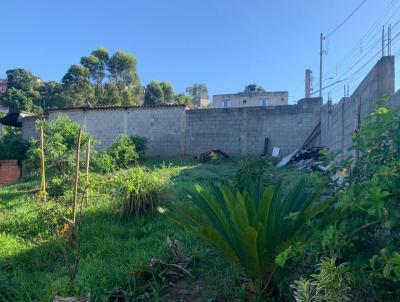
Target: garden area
<point>113,225</point>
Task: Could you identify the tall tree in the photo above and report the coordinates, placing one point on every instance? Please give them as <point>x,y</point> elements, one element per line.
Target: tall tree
<point>154,94</point>
<point>21,93</point>
<point>20,78</point>
<point>96,63</point>
<point>122,73</point>
<point>77,87</point>
<point>197,90</point>
<point>168,92</point>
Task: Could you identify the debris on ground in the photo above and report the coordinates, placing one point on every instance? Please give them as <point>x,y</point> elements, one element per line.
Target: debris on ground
<point>339,176</point>
<point>211,155</point>
<point>308,159</point>
<point>275,152</point>
<point>167,275</point>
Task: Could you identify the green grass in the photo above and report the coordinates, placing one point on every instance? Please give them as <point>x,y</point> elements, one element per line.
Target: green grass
<point>111,248</point>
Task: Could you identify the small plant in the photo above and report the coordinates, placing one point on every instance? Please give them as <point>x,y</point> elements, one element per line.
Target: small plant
<point>137,191</point>
<point>330,284</point>
<point>251,229</point>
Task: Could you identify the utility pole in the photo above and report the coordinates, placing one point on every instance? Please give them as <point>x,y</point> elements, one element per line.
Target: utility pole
<point>389,40</point>
<point>383,41</point>
<point>308,84</point>
<point>320,63</point>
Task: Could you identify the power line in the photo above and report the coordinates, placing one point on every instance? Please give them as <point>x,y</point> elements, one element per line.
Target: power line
<point>347,18</point>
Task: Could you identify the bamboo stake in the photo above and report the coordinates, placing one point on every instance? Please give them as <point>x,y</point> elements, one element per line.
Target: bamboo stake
<point>42,166</point>
<point>87,170</point>
<point>75,193</point>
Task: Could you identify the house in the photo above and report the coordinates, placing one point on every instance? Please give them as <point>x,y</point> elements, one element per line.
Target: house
<point>200,102</point>
<point>251,97</point>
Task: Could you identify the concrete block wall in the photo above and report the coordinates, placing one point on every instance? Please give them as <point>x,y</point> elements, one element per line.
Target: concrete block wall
<point>162,126</point>
<point>241,131</point>
<point>339,121</point>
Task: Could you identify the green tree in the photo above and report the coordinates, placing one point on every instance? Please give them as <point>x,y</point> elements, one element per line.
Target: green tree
<point>122,73</point>
<point>96,63</point>
<point>77,87</point>
<point>19,100</point>
<point>51,95</point>
<point>168,92</point>
<point>22,79</point>
<point>182,99</point>
<point>154,94</point>
<point>197,90</point>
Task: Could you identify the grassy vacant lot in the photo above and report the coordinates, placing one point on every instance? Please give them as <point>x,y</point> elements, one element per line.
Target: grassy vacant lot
<point>33,266</point>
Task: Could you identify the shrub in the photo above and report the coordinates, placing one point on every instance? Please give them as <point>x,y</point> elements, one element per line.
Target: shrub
<point>137,190</point>
<point>123,152</point>
<point>330,284</point>
<point>366,234</point>
<point>60,138</point>
<point>251,169</point>
<point>140,144</point>
<point>251,229</point>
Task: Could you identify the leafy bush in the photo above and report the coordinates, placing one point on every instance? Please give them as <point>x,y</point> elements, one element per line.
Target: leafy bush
<point>12,146</point>
<point>251,229</point>
<point>140,144</point>
<point>251,169</point>
<point>330,284</point>
<point>137,190</point>
<point>123,152</point>
<point>367,232</point>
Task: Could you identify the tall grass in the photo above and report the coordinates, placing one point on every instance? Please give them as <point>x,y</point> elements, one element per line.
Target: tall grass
<point>138,190</point>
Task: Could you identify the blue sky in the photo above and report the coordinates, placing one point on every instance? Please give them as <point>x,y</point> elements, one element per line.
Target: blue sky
<point>224,43</point>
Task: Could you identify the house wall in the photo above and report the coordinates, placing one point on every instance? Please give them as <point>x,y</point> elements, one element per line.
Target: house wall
<point>28,129</point>
<point>251,99</point>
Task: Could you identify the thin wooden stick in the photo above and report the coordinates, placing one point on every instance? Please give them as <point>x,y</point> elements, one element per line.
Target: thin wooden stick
<point>87,171</point>
<point>75,193</point>
<point>42,166</point>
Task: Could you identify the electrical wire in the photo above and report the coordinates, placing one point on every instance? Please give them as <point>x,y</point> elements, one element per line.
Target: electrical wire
<point>346,19</point>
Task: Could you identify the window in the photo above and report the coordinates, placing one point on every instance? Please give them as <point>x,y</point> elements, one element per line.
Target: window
<point>226,104</point>
<point>264,102</point>
<point>282,99</point>
<point>244,101</point>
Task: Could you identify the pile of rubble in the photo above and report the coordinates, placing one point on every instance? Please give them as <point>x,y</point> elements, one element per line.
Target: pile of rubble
<point>308,159</point>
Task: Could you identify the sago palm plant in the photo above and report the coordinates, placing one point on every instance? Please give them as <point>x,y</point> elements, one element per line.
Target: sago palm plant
<point>252,228</point>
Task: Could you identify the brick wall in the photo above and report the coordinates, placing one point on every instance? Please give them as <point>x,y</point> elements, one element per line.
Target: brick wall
<point>10,172</point>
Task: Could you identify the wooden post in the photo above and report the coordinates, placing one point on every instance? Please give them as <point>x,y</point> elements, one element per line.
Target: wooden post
<point>87,171</point>
<point>42,166</point>
<point>75,193</point>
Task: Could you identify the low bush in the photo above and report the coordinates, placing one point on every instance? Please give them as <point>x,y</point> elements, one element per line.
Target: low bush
<point>137,190</point>
<point>123,152</point>
<point>254,230</point>
<point>251,169</point>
